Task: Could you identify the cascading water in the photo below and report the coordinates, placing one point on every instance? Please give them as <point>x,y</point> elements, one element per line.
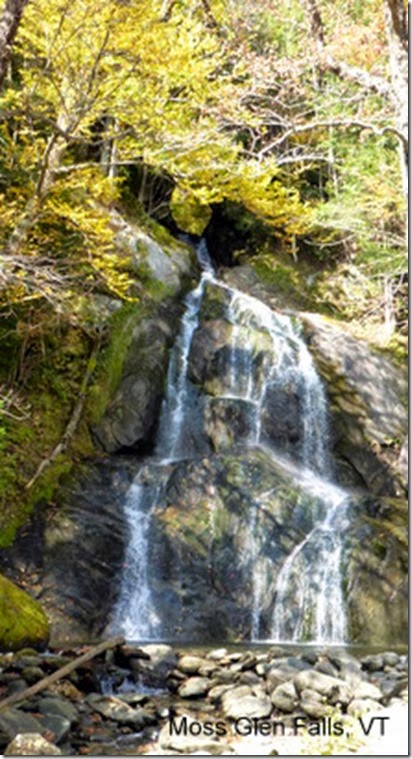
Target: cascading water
<point>173,440</point>
<point>307,590</point>
<point>135,612</point>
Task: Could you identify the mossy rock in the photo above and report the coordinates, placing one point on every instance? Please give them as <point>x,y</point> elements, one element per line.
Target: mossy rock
<point>22,620</point>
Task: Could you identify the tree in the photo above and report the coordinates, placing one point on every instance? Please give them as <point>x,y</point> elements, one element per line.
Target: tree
<point>9,24</point>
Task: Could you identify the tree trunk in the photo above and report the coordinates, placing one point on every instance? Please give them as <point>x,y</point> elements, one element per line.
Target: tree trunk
<point>397,34</point>
<point>9,24</point>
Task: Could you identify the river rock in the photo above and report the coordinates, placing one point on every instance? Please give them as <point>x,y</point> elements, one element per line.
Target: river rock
<point>194,686</point>
<point>373,662</point>
<point>115,709</point>
<point>55,726</point>
<point>31,744</point>
<point>285,697</point>
<point>185,735</point>
<point>162,657</point>
<point>191,665</point>
<point>14,722</point>
<point>362,705</point>
<point>216,654</point>
<point>313,704</point>
<point>367,690</point>
<point>242,702</point>
<point>56,705</point>
<point>390,659</point>
<point>334,689</point>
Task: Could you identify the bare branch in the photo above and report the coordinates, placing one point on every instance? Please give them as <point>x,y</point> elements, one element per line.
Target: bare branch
<point>357,76</point>
<point>339,124</point>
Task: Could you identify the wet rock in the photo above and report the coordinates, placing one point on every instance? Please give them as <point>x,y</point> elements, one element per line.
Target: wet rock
<point>83,552</point>
<point>56,726</point>
<point>31,744</point>
<point>59,706</point>
<point>131,415</point>
<point>241,702</point>
<point>115,709</point>
<point>14,722</point>
<point>368,396</point>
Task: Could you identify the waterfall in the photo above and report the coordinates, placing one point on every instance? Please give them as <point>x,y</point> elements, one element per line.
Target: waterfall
<point>135,611</point>
<point>266,359</point>
<point>173,440</point>
<point>310,604</point>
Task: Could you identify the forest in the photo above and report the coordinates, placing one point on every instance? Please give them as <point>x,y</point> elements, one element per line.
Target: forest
<point>287,118</point>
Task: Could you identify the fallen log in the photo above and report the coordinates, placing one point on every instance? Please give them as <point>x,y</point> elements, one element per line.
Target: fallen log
<point>60,673</point>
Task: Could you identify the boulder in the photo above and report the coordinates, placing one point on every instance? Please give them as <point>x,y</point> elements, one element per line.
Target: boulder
<point>191,665</point>
<point>332,688</point>
<point>285,697</point>
<point>242,702</point>
<point>22,620</point>
<point>313,704</point>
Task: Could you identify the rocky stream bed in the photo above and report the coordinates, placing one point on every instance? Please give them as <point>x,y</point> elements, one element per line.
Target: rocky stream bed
<point>158,699</point>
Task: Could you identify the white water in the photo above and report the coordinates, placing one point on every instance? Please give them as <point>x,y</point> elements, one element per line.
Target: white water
<point>173,419</point>
<point>135,612</point>
<point>309,602</point>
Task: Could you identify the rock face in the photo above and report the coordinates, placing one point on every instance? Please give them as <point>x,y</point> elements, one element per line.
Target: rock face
<point>167,270</point>
<point>225,525</point>
<point>131,416</point>
<point>83,552</point>
<point>22,620</point>
<point>368,408</point>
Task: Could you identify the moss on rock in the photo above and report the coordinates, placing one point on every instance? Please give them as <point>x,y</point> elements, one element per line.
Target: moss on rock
<point>22,620</point>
